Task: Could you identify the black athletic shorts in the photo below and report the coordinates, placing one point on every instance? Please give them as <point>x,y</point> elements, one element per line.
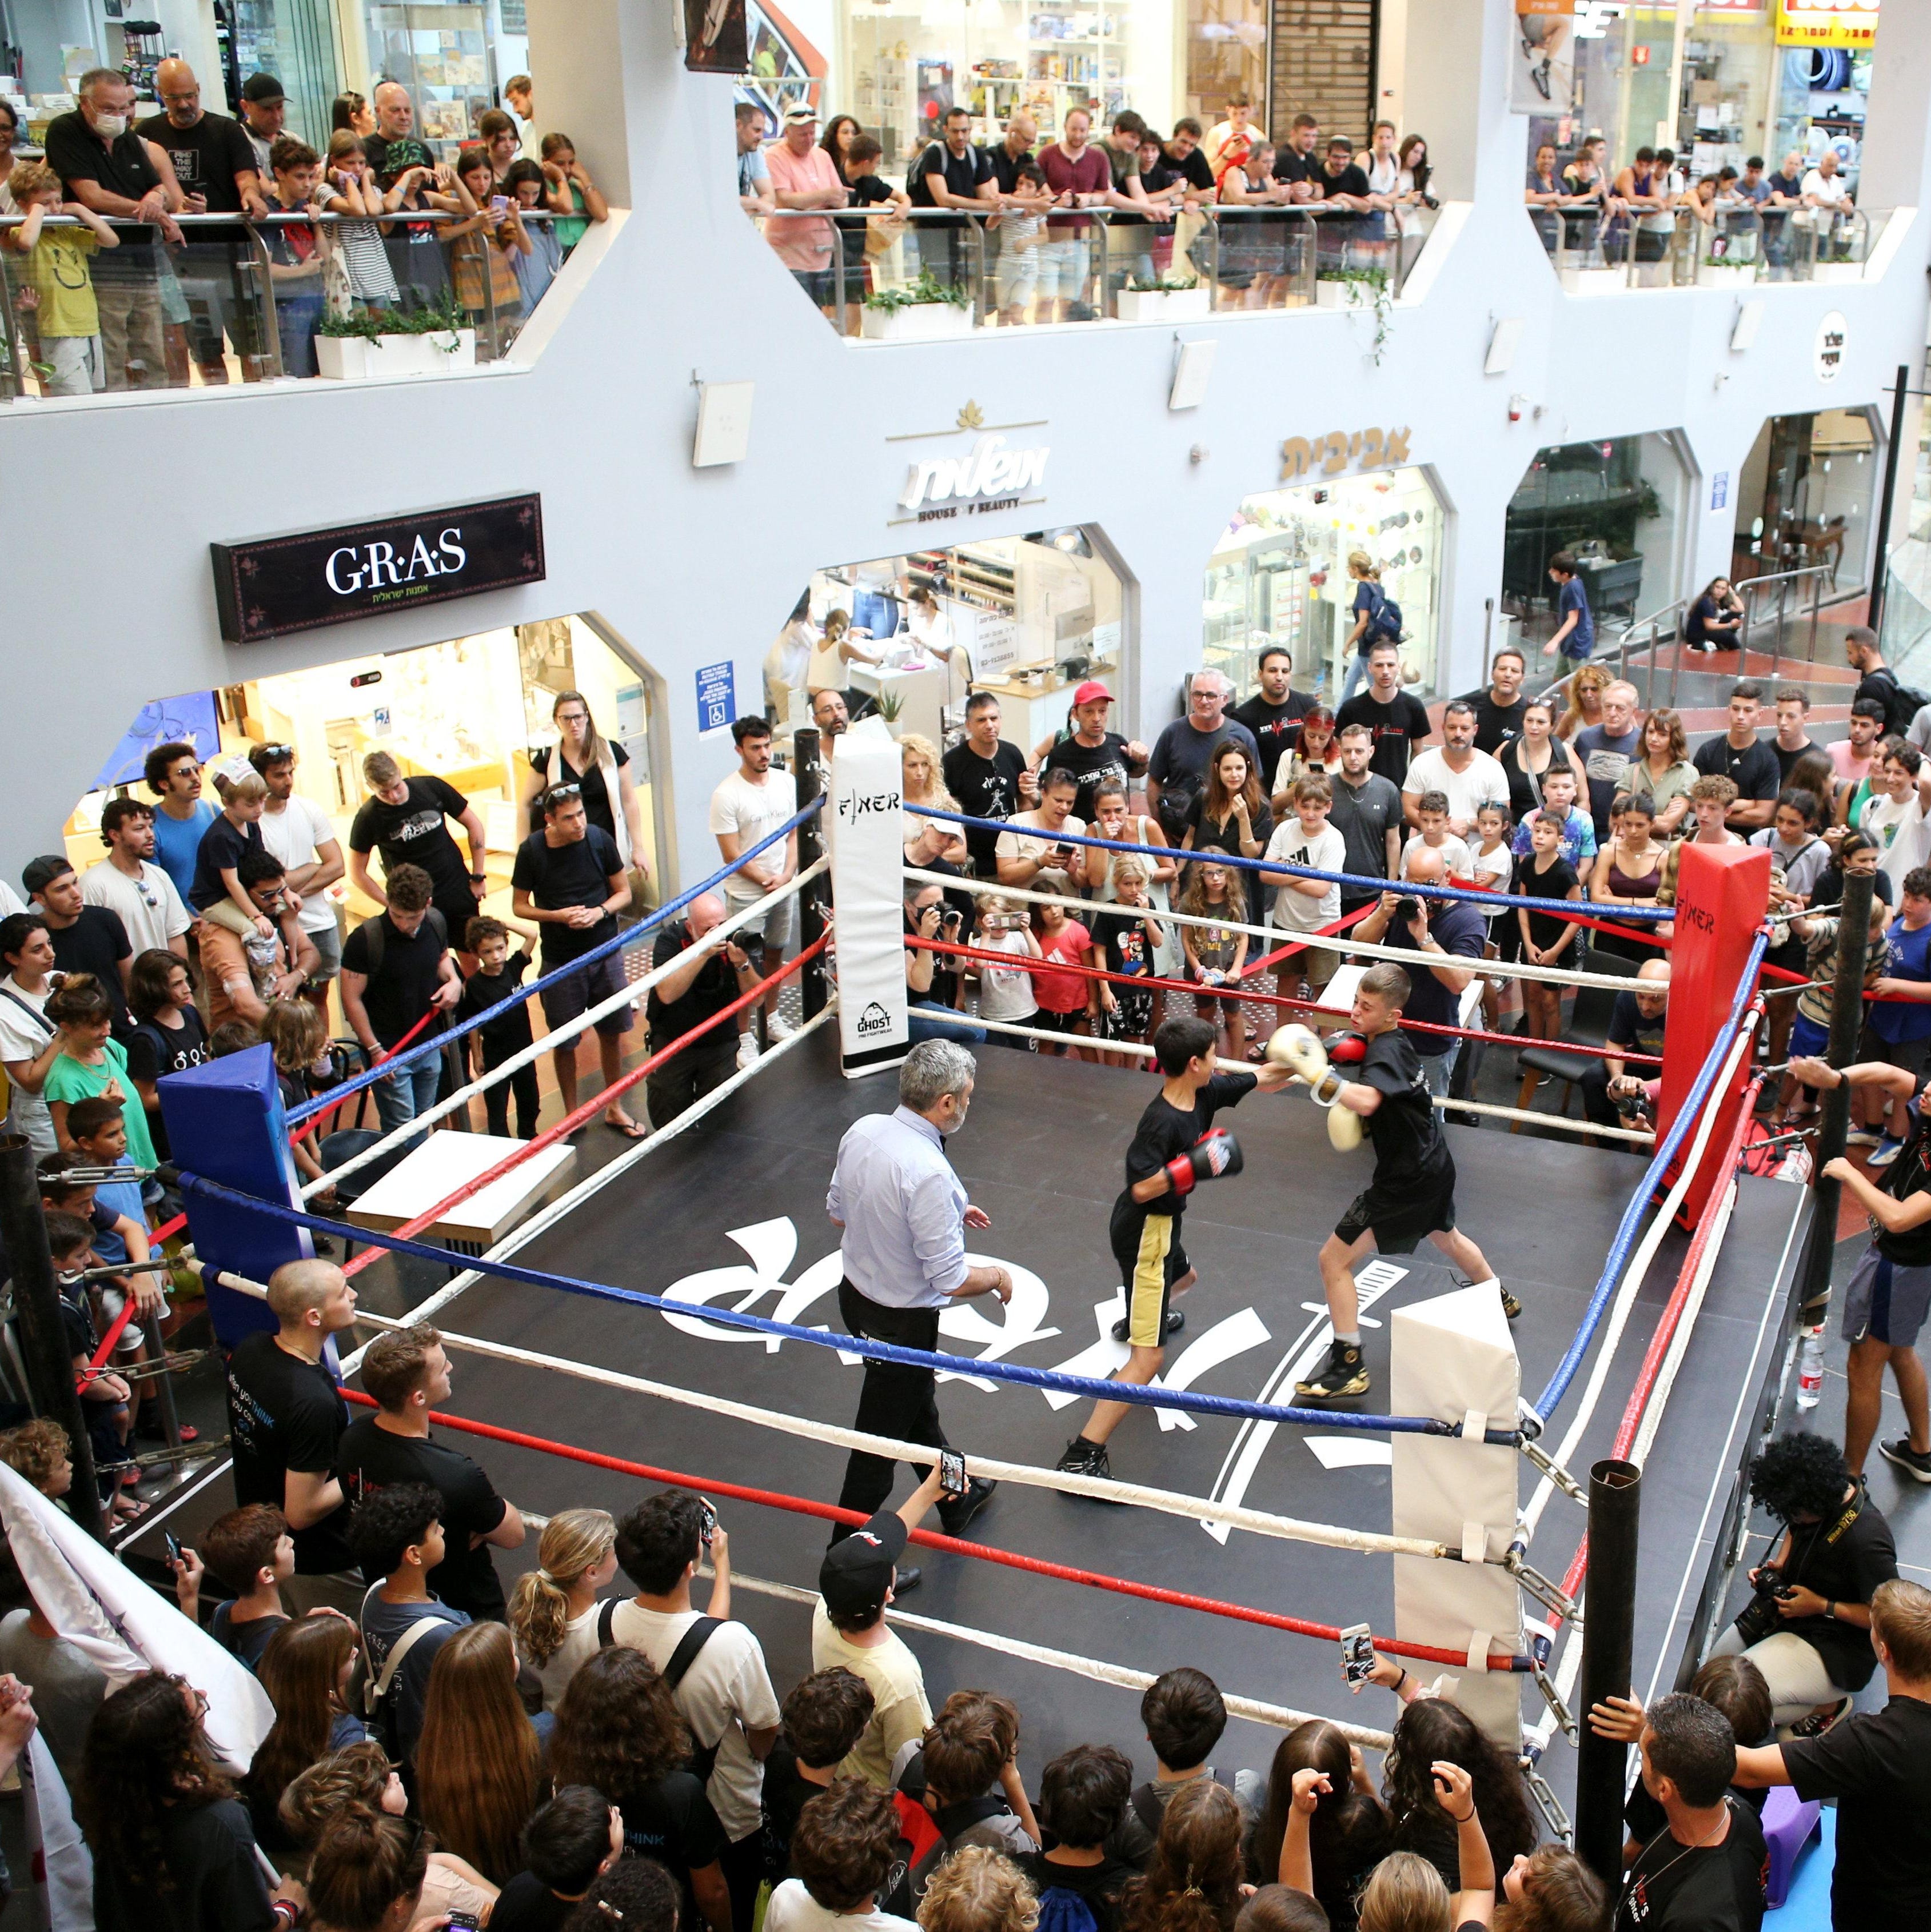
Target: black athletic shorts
<point>1147,1247</point>
<point>1398,1218</point>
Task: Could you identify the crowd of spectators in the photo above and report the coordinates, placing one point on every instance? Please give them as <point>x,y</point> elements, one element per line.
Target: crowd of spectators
<point>118,295</point>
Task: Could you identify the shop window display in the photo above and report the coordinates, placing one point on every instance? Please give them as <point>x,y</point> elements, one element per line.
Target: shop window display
<point>441,54</point>
<point>1279,576</point>
<point>1805,496</point>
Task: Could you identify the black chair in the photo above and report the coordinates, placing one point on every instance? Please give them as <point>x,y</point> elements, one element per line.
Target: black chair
<point>1589,1026</point>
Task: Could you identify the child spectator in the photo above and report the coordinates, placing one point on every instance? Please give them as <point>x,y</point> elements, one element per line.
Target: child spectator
<point>1347,1832</point>
<point>1068,1002</point>
<point>1006,994</point>
<point>250,1553</point>
<point>1192,1883</point>
<point>305,1667</point>
<point>823,1720</point>
<point>554,1609</point>
<point>40,1452</point>
<point>1406,1893</point>
<point>66,313</point>
<point>369,1870</point>
<point>1128,938</point>
<point>1431,819</point>
<point>536,269</point>
<point>568,1845</point>
<point>1810,1031</point>
<point>494,984</point>
<point>372,280</point>
<point>69,1241</point>
<point>1546,936</point>
<point>1575,636</point>
<point>216,891</point>
<point>1083,1795</point>
<point>485,244</point>
<point>1577,828</point>
<point>979,1892</point>
<point>843,1849</point>
<point>1306,838</point>
<point>295,254</point>
<point>572,193</point>
<point>1184,1714</point>
<point>97,1130</point>
<point>169,1036</point>
<point>1710,799</point>
<point>91,1062</point>
<point>1215,953</point>
<point>970,1773</point>
<point>296,1034</point>
<point>640,1890</point>
<point>1279,1908</point>
<point>1020,225</point>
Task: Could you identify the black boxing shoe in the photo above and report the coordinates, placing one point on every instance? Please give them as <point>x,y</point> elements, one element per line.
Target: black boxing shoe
<point>953,1517</point>
<point>1342,1377</point>
<point>1171,1323</point>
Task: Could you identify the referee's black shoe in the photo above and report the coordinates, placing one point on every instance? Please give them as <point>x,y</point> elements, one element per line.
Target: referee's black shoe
<point>953,1517</point>
<point>1171,1323</point>
<point>1341,1377</point>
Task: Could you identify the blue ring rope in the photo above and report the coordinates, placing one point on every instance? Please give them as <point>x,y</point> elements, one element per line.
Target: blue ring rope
<point>630,936</point>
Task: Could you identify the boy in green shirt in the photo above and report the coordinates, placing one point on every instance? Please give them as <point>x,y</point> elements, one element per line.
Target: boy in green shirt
<point>69,319</point>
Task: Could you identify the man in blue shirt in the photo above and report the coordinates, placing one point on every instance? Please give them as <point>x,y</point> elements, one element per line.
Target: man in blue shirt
<point>1575,634</point>
<point>1900,1026</point>
<point>182,815</point>
<point>903,1214</point>
<point>1445,932</point>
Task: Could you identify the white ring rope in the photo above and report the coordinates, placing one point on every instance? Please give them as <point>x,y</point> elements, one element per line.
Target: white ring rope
<point>1334,942</point>
<point>546,1218</point>
<point>632,995</point>
<point>1170,1502</point>
<point>1639,1267</point>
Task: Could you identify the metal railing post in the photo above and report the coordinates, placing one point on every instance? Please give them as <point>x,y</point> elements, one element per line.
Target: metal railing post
<point>838,274</point>
<point>271,369</point>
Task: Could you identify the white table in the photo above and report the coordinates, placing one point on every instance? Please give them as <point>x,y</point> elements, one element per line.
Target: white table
<point>447,1161</point>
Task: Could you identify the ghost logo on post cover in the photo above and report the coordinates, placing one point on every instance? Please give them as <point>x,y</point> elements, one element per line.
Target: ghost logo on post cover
<point>874,1021</point>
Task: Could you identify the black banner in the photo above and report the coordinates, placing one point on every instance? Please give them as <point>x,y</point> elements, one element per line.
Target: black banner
<point>313,578</point>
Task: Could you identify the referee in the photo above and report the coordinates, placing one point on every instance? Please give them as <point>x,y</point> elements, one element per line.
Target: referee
<point>903,1215</point>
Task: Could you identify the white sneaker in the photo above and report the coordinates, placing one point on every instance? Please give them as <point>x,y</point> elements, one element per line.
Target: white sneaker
<point>777,1027</point>
<point>747,1049</point>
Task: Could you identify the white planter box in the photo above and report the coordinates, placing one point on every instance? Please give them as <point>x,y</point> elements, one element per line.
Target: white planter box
<point>922,322</point>
<point>1144,304</point>
<point>1726,274</point>
<point>1187,305</point>
<point>450,350</point>
<point>1343,295</point>
<point>1838,271</point>
<point>344,359</point>
<point>391,356</point>
<point>1594,281</point>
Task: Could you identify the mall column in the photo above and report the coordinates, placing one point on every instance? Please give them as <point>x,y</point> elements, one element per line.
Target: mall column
<point>1722,894</point>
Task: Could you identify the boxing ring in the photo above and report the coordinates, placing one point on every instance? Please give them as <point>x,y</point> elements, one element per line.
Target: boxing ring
<point>665,1321</point>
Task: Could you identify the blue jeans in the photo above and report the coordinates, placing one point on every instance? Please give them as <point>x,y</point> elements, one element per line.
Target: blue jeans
<point>411,1091</point>
<point>955,1026</point>
<point>1438,1070</point>
<point>1357,676</point>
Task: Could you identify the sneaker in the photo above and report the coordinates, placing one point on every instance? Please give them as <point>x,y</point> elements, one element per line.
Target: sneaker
<point>1171,1323</point>
<point>1819,1721</point>
<point>1862,1137</point>
<point>747,1050</point>
<point>1511,1307</point>
<point>1915,1463</point>
<point>777,1027</point>
<point>953,1517</point>
<point>1084,1458</point>
<point>1344,1375</point>
<point>1886,1151</point>
<point>907,1576</point>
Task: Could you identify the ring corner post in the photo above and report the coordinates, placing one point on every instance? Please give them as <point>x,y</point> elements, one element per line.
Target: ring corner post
<point>863,813</point>
<point>1608,1646</point>
<point>808,773</point>
<point>225,1122</point>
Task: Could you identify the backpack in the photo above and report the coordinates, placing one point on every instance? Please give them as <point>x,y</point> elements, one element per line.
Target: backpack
<point>1902,703</point>
<point>377,1706</point>
<point>1384,620</point>
<point>703,1757</point>
<point>1061,1910</point>
<point>377,929</point>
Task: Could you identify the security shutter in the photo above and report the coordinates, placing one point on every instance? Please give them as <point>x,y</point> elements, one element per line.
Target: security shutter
<point>1323,63</point>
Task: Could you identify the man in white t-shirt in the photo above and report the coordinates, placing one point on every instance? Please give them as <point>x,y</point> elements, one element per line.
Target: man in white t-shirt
<point>1895,814</point>
<point>1305,905</point>
<point>723,1689</point>
<point>128,882</point>
<point>749,806</point>
<point>1469,777</point>
<point>297,833</point>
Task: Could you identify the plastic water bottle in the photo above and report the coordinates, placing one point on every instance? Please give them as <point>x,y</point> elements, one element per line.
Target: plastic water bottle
<point>1810,1368</point>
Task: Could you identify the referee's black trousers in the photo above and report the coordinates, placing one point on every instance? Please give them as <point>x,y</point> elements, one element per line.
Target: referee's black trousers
<point>897,1399</point>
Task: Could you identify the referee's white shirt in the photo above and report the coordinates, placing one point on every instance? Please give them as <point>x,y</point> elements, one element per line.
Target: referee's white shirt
<point>903,1209</point>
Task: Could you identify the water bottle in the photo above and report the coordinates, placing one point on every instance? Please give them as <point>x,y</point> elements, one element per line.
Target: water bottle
<point>1810,1368</point>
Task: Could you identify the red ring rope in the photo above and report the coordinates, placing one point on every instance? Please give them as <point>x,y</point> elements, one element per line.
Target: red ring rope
<point>951,1545</point>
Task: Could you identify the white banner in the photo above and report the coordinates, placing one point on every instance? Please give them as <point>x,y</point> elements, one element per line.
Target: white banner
<point>867,866</point>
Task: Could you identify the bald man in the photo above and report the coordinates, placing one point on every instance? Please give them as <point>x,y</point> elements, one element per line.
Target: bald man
<point>1636,1026</point>
<point>394,145</point>
<point>707,974</point>
<point>215,164</point>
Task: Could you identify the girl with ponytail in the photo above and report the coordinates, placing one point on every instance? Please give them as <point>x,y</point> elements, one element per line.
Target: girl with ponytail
<point>553,1609</point>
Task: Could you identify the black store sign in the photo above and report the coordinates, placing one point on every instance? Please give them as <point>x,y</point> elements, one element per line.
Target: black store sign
<point>318,577</point>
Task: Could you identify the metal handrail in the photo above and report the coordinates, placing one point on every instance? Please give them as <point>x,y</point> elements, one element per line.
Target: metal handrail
<point>1651,623</point>
<point>1784,579</point>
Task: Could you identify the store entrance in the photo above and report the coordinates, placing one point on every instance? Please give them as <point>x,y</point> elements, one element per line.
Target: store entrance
<point>1804,497</point>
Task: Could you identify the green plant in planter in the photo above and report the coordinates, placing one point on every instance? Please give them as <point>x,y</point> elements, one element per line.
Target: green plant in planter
<point>1180,284</point>
<point>891,703</point>
<point>1377,286</point>
<point>1729,262</point>
<point>1146,285</point>
<point>924,288</point>
<point>359,325</point>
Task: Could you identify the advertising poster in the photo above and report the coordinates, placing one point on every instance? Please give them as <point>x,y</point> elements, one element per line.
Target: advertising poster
<point>1541,66</point>
<point>716,40</point>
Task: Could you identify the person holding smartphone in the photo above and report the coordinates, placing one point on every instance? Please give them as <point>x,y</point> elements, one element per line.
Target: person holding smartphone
<point>1037,851</point>
<point>933,984</point>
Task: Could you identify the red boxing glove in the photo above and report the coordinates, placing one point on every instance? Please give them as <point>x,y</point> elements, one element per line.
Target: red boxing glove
<point>1347,1049</point>
<point>1214,1155</point>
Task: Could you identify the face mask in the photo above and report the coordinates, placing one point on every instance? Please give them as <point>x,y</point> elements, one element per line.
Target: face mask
<point>112,126</point>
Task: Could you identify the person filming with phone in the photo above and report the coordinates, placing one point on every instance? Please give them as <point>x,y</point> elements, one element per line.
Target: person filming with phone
<point>903,1214</point>
<point>932,979</point>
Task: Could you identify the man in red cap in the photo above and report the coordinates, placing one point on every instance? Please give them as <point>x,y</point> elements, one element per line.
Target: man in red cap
<point>1091,753</point>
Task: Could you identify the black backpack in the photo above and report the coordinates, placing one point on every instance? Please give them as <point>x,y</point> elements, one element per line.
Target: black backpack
<point>377,942</point>
<point>1902,702</point>
<point>1384,621</point>
<point>703,1757</point>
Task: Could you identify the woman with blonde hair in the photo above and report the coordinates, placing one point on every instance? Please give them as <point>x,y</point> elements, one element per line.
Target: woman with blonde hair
<point>928,842</point>
<point>297,1034</point>
<point>1587,684</point>
<point>977,1890</point>
<point>584,758</point>
<point>477,1761</point>
<point>553,1609</point>
<point>1192,1883</point>
<point>1368,598</point>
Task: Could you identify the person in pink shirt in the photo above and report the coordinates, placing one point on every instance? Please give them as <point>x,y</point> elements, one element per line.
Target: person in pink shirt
<point>1078,176</point>
<point>1850,758</point>
<point>804,176</point>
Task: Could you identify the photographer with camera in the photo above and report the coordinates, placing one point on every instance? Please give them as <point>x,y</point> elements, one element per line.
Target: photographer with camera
<point>1636,1025</point>
<point>709,973</point>
<point>1443,931</point>
<point>933,983</point>
<point>1807,1628</point>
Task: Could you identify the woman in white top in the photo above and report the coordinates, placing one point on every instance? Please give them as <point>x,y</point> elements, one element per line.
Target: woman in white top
<point>30,1042</point>
<point>932,632</point>
<point>928,842</point>
<point>553,1610</point>
<point>1113,818</point>
<point>788,659</point>
<point>832,653</point>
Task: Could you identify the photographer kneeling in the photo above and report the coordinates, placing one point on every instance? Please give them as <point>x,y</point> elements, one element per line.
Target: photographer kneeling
<point>931,977</point>
<point>1808,1627</point>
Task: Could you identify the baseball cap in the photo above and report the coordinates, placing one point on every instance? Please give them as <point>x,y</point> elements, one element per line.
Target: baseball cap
<point>1092,689</point>
<point>795,116</point>
<point>262,87</point>
<point>857,1571</point>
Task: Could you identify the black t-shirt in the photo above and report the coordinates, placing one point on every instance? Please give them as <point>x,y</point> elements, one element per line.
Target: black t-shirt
<point>1628,1028</point>
<point>1843,1558</point>
<point>222,844</point>
<point>867,191</point>
<point>416,832</point>
<point>215,1877</point>
<point>598,807</point>
<point>368,1459</point>
<point>1459,929</point>
<point>1402,722</point>
<point>510,1029</point>
<point>1546,927</point>
<point>97,942</point>
<point>244,1642</point>
<point>527,1904</point>
<point>963,173</point>
<point>1098,1886</point>
<point>1290,165</point>
<point>1787,761</point>
<point>1878,1766</point>
<point>1164,1133</point>
<point>1644,1817</point>
<point>576,874</point>
<point>1754,770</point>
<point>1495,724</point>
<point>1409,1149</point>
<point>206,157</point>
<point>985,788</point>
<point>398,995</point>
<point>1910,1174</point>
<point>390,158</point>
<point>1092,765</point>
<point>1225,836</point>
<point>76,153</point>
<point>1700,1888</point>
<point>714,989</point>
<point>154,1050</point>
<point>1194,171</point>
<point>1276,728</point>
<point>1120,933</point>
<point>671,1821</point>
<point>284,1414</point>
<point>786,1794</point>
<point>1005,166</point>
<point>1351,180</point>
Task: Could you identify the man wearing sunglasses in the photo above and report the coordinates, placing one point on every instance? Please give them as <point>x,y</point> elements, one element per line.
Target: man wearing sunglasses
<point>128,882</point>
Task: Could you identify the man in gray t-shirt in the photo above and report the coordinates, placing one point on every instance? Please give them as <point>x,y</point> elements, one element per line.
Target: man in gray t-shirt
<point>1367,813</point>
<point>1176,773</point>
<point>68,1685</point>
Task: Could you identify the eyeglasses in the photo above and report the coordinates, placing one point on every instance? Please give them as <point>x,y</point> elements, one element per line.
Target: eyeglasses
<point>573,718</point>
<point>199,1696</point>
<point>558,794</point>
<point>272,754</point>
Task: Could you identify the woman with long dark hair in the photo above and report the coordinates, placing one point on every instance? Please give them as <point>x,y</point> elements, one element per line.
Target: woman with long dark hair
<point>836,139</point>
<point>304,1670</point>
<point>618,1729</point>
<point>584,758</point>
<point>1192,1883</point>
<point>1525,759</point>
<point>1232,814</point>
<point>172,1849</point>
<point>1349,1832</point>
<point>1431,1730</point>
<point>1714,621</point>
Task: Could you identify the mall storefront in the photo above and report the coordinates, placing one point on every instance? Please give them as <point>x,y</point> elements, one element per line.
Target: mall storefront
<point>1806,496</point>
